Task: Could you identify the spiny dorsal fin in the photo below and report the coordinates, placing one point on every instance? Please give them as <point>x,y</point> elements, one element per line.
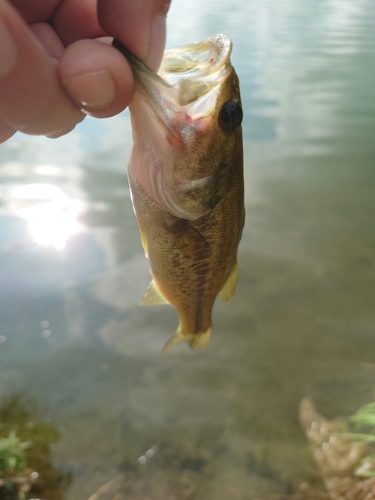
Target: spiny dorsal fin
<point>197,341</point>
<point>153,296</point>
<point>227,292</point>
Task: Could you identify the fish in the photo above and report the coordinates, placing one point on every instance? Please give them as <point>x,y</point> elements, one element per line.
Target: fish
<point>186,180</point>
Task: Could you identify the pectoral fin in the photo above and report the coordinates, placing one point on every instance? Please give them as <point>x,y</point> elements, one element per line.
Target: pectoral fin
<point>227,292</point>
<point>144,241</point>
<point>153,296</point>
<point>189,241</point>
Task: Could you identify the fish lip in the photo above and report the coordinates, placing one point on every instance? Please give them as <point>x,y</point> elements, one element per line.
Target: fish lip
<point>143,73</point>
<point>172,103</point>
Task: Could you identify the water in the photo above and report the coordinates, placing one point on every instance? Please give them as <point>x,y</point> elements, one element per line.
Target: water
<point>79,356</point>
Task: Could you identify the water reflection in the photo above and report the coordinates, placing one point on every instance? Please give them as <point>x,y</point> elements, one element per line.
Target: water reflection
<point>53,222</point>
<point>72,332</point>
<point>185,466</point>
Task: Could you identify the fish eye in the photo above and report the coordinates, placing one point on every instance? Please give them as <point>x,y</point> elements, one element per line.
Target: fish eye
<point>230,116</point>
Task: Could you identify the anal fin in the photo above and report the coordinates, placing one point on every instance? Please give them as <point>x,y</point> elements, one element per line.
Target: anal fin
<point>227,292</point>
<point>153,296</point>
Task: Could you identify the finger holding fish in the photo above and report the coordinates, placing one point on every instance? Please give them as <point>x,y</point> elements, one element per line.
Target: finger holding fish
<point>145,35</point>
<point>32,99</point>
<point>96,77</point>
<point>54,69</point>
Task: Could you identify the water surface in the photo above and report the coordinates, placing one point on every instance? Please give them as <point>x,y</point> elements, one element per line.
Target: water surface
<point>74,339</point>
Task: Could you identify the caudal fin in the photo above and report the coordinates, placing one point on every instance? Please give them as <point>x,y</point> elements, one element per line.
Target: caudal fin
<point>197,341</point>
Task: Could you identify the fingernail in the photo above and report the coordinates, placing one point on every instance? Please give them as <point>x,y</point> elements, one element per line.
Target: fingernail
<point>156,42</point>
<point>93,90</point>
<point>8,50</point>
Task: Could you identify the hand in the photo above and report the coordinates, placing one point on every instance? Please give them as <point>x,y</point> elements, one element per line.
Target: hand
<point>56,66</point>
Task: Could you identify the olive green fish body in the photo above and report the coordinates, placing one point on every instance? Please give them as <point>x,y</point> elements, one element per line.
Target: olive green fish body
<point>191,261</point>
<point>186,180</point>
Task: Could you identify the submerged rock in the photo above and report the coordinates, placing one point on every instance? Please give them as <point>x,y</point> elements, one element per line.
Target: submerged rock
<point>342,461</point>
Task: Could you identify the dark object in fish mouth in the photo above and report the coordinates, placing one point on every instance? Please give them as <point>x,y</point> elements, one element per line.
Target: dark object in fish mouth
<point>126,52</point>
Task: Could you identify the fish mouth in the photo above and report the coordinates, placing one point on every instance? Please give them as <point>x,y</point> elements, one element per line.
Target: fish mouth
<point>188,81</point>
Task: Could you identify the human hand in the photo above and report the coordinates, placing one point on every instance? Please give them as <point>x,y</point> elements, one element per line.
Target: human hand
<point>56,67</point>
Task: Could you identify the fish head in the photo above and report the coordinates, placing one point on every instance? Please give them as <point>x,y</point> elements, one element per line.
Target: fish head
<point>186,124</point>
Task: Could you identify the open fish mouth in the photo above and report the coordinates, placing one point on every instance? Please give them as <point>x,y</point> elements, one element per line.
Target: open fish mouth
<point>197,68</point>
<point>189,78</point>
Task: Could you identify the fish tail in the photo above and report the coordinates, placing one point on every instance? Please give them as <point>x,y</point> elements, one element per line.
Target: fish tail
<point>197,341</point>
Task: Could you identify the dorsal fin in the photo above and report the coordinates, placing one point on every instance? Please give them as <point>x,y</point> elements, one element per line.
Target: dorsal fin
<point>153,296</point>
<point>227,292</point>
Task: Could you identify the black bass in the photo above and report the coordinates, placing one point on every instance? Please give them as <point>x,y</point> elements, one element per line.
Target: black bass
<point>186,179</point>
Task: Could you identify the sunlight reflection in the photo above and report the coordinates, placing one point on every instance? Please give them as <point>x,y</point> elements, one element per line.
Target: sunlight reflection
<point>47,170</point>
<point>51,222</point>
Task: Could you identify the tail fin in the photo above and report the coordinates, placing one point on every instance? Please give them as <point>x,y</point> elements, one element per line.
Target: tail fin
<point>197,341</point>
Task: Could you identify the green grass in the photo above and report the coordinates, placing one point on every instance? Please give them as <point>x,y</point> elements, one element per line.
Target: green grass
<point>361,427</point>
<point>12,456</point>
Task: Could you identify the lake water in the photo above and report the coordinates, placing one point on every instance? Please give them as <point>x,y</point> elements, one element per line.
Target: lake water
<point>80,357</point>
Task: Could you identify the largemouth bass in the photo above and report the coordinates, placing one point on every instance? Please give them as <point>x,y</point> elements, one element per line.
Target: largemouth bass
<point>186,179</point>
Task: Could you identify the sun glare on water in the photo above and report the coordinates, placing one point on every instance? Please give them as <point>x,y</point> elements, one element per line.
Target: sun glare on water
<point>52,218</point>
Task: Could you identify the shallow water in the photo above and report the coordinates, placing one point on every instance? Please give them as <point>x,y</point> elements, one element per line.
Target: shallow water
<point>73,338</point>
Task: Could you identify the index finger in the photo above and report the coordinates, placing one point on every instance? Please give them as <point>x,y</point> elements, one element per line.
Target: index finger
<point>71,19</point>
<point>32,98</point>
<point>140,25</point>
